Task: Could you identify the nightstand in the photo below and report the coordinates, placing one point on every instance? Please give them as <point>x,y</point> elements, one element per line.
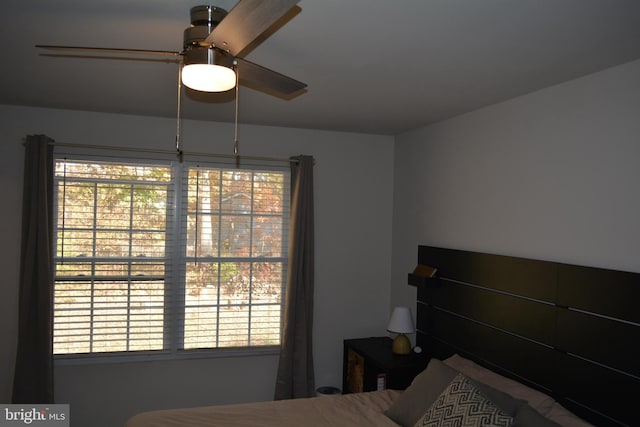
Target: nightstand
<point>370,365</point>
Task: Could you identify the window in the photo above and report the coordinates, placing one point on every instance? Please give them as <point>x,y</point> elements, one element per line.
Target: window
<point>234,263</point>
<point>167,257</point>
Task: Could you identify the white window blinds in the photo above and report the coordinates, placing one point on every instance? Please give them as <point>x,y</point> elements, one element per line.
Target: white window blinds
<point>236,227</point>
<point>111,243</point>
<point>137,271</point>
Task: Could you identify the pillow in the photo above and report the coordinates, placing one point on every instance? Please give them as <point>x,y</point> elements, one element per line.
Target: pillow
<point>461,403</point>
<point>536,399</point>
<point>422,392</point>
<point>429,384</point>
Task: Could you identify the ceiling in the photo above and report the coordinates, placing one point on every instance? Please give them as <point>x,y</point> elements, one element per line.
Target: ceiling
<point>372,66</point>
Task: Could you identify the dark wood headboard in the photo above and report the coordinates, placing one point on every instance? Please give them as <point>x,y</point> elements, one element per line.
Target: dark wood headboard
<point>572,332</point>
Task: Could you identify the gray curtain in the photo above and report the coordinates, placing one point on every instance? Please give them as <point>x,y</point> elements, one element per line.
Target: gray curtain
<point>33,377</point>
<point>295,370</point>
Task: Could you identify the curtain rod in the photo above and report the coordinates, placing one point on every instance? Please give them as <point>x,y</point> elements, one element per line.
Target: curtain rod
<point>180,153</point>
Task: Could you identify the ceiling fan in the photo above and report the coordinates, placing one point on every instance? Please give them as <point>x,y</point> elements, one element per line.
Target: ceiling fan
<point>213,43</point>
<point>211,59</point>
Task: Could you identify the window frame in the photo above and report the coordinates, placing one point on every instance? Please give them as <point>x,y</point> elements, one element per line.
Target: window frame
<point>175,258</point>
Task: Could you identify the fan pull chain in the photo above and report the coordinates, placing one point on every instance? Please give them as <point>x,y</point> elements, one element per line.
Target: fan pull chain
<point>178,119</point>
<point>235,137</point>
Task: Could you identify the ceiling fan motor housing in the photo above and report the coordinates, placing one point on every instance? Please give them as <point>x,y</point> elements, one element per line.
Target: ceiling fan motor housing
<point>203,20</point>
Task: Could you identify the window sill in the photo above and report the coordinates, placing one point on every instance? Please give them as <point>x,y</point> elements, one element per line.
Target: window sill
<point>151,356</point>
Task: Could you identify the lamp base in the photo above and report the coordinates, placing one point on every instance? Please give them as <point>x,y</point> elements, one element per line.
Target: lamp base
<point>401,345</point>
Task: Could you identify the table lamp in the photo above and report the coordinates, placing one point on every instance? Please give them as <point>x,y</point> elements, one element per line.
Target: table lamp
<point>401,323</point>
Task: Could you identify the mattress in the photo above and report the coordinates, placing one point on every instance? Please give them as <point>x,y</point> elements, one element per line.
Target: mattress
<point>361,409</point>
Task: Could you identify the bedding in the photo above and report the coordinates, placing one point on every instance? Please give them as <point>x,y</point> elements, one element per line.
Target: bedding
<point>435,394</point>
<point>536,399</point>
<point>411,405</point>
<point>540,402</point>
<point>360,409</point>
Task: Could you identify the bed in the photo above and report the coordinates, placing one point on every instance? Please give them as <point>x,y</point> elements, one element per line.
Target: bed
<point>360,409</point>
<point>521,342</point>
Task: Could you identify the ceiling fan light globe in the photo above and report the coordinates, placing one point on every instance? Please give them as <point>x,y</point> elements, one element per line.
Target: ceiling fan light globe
<point>208,77</point>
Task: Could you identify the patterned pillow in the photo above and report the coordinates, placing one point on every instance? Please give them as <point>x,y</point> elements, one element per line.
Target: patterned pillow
<point>462,405</point>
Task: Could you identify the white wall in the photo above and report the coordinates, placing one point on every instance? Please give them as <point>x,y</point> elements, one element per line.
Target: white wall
<point>353,196</point>
<point>552,175</point>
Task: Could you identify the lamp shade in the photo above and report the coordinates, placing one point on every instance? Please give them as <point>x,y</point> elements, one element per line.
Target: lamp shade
<point>208,70</point>
<point>208,77</point>
<point>401,321</point>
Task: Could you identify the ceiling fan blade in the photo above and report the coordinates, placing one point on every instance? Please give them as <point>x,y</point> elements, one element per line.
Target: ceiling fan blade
<point>246,21</point>
<point>267,78</point>
<point>110,50</point>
